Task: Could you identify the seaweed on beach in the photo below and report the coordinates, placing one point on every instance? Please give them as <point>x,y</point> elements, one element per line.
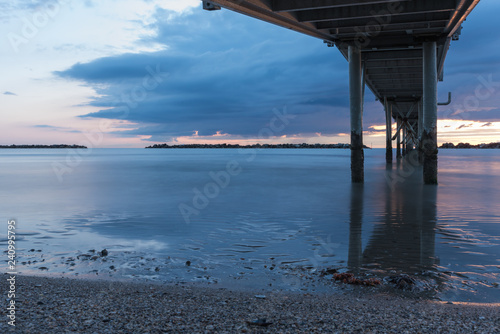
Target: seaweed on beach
<point>349,278</point>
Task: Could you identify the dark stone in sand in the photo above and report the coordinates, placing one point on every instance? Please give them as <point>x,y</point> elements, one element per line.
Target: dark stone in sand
<point>104,252</point>
<point>404,282</point>
<point>259,322</point>
<point>328,271</point>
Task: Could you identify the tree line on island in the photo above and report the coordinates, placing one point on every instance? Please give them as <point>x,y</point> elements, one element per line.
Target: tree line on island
<point>303,145</point>
<point>467,145</point>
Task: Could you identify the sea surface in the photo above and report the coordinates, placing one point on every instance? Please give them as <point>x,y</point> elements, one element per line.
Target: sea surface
<point>265,219</point>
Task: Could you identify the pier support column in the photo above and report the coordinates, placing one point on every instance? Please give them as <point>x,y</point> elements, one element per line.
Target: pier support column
<point>356,106</point>
<point>388,132</point>
<point>403,128</point>
<point>429,133</point>
<point>398,138</point>
<point>419,131</point>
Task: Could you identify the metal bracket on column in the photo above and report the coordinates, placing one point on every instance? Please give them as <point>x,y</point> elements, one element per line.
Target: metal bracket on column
<point>447,102</point>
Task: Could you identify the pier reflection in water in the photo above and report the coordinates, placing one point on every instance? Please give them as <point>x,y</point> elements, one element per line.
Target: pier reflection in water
<point>404,231</point>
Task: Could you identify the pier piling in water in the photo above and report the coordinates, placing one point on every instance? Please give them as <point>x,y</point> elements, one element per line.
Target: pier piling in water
<point>388,132</point>
<point>356,107</point>
<point>429,131</point>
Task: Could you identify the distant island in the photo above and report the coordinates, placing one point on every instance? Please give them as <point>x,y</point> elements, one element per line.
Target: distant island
<point>43,146</point>
<point>303,145</point>
<point>467,145</point>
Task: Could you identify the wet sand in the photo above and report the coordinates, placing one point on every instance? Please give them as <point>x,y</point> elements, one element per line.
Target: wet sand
<point>61,305</point>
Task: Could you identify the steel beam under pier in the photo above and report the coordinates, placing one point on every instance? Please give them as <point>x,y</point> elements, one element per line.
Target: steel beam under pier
<point>356,106</point>
<point>429,133</point>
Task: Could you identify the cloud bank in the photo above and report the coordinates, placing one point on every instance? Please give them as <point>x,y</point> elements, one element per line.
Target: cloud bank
<point>221,72</point>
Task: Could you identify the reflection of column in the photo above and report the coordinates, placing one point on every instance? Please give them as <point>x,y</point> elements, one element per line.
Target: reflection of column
<point>355,257</point>
<point>428,235</point>
<point>404,237</point>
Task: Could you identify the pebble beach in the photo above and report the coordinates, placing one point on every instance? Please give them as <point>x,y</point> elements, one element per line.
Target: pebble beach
<point>62,305</point>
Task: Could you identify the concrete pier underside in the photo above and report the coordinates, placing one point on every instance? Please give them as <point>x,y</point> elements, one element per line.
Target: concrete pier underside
<point>396,48</point>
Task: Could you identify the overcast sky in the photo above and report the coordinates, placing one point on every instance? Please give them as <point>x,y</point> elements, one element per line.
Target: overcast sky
<point>141,72</point>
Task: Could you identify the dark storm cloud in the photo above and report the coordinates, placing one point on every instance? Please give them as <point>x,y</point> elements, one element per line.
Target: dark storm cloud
<point>221,72</point>
<point>492,115</point>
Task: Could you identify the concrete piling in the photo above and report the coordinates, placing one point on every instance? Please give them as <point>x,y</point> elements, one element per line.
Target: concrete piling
<point>356,107</point>
<point>388,132</point>
<point>429,131</point>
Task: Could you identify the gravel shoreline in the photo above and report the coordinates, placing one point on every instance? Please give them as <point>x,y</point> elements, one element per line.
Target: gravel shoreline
<point>62,305</point>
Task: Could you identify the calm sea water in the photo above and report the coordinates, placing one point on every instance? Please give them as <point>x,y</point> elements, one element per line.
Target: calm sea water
<point>260,219</point>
